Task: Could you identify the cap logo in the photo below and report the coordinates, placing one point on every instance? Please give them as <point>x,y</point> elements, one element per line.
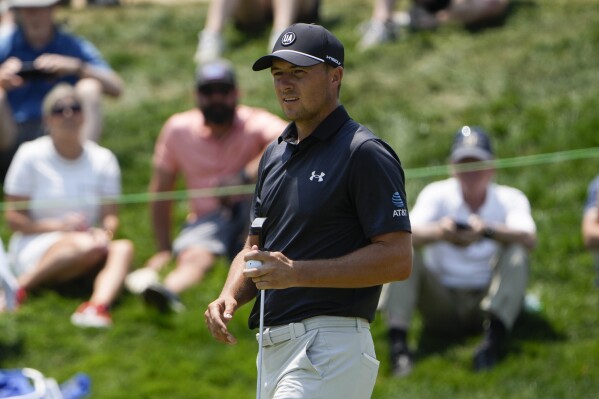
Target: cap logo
<point>288,39</point>
<point>333,60</point>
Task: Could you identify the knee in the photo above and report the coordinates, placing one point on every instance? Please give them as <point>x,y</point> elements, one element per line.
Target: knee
<point>122,246</point>
<point>123,249</point>
<point>89,90</point>
<point>196,257</point>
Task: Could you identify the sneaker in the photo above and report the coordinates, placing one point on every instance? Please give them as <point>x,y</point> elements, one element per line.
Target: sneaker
<point>137,281</point>
<point>402,363</point>
<point>375,33</point>
<point>210,47</point>
<point>161,298</point>
<point>90,315</point>
<point>420,19</point>
<point>11,299</point>
<point>485,357</point>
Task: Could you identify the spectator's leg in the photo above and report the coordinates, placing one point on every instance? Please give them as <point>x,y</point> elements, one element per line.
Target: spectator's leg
<point>220,12</point>
<point>380,28</point>
<point>90,92</point>
<point>508,286</point>
<point>78,4</point>
<point>502,304</point>
<point>109,281</point>
<point>473,11</point>
<point>72,256</point>
<point>192,265</point>
<point>288,12</point>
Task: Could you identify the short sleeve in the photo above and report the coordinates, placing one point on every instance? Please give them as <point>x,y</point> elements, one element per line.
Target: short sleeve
<point>378,189</point>
<point>18,181</point>
<point>592,191</point>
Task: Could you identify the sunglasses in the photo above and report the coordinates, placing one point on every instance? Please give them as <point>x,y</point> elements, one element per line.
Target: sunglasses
<point>219,88</point>
<point>62,109</point>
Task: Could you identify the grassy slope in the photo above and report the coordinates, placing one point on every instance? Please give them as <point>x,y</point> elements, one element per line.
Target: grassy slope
<point>532,82</point>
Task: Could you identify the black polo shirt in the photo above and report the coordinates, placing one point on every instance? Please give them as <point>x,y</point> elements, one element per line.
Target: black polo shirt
<point>323,198</point>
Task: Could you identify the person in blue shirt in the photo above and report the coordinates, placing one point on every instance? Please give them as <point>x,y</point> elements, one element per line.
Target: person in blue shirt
<point>590,223</point>
<point>35,55</point>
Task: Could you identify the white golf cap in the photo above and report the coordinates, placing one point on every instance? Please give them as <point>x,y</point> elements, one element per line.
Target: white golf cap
<point>31,3</point>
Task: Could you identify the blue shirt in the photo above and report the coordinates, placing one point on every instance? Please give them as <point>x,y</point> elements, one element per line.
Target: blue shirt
<point>26,101</point>
<point>324,198</point>
<point>592,192</point>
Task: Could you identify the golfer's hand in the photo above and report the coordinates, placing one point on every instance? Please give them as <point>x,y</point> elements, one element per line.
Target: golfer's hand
<point>217,316</point>
<point>276,272</point>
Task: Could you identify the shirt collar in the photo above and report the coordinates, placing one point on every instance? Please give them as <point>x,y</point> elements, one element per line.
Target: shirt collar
<point>327,128</point>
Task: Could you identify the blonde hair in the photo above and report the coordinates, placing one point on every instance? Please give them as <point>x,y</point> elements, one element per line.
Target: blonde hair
<point>60,92</point>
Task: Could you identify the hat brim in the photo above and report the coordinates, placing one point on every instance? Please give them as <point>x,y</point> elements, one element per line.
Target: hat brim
<point>293,57</point>
<point>476,153</point>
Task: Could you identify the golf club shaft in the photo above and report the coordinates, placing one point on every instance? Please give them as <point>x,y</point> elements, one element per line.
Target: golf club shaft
<point>260,346</point>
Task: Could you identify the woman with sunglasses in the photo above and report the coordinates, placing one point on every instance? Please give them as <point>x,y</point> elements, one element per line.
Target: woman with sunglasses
<point>60,191</point>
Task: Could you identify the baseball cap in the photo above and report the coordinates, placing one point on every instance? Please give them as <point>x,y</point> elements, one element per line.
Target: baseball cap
<point>31,3</point>
<point>215,71</point>
<point>304,45</point>
<point>471,142</point>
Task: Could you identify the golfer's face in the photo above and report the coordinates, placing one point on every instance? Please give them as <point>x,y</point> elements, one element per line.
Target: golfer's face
<point>303,92</point>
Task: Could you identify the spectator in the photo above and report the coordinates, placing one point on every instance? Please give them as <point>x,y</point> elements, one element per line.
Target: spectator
<point>6,278</point>
<point>36,55</point>
<point>337,228</point>
<point>250,15</point>
<point>217,144</point>
<point>60,192</point>
<point>590,223</point>
<point>6,17</point>
<point>473,270</point>
<point>427,14</point>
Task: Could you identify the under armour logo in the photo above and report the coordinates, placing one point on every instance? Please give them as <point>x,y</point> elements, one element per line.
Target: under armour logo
<point>315,176</point>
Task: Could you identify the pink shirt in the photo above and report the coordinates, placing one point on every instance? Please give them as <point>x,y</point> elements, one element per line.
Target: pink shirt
<point>186,145</point>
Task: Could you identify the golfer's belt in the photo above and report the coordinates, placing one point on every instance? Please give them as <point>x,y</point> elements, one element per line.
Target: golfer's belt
<point>276,335</point>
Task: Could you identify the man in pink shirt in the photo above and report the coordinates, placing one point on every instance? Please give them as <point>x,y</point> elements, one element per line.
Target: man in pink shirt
<point>217,144</point>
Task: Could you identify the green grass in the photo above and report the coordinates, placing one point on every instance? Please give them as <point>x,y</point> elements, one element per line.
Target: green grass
<point>532,82</point>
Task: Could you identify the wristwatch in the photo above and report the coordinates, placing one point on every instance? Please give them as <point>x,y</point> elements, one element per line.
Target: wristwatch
<point>489,232</point>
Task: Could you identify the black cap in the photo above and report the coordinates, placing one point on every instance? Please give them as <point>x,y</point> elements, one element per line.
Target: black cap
<point>216,71</point>
<point>471,142</point>
<point>304,45</point>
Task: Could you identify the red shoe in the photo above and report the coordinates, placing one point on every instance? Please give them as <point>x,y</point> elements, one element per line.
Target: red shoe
<point>20,296</point>
<point>90,315</point>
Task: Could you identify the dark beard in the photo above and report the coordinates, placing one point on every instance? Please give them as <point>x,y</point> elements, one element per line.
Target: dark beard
<point>218,114</point>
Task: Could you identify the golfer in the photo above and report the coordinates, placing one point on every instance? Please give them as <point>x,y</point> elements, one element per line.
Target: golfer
<point>337,228</point>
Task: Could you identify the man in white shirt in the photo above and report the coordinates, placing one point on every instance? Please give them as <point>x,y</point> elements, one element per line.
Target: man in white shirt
<point>471,239</point>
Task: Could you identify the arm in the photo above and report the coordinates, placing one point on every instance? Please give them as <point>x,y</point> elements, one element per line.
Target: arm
<point>18,219</point>
<point>110,220</point>
<point>63,65</point>
<point>590,228</point>
<point>445,229</point>
<point>162,180</point>
<point>388,258</point>
<point>237,291</point>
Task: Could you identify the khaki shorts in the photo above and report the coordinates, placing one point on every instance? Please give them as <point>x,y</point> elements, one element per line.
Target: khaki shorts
<point>324,357</point>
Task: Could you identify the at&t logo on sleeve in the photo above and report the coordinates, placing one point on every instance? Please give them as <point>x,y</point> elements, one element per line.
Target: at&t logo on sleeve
<point>399,203</point>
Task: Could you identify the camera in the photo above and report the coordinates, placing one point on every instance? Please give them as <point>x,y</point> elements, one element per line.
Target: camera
<point>462,226</point>
<point>29,72</point>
